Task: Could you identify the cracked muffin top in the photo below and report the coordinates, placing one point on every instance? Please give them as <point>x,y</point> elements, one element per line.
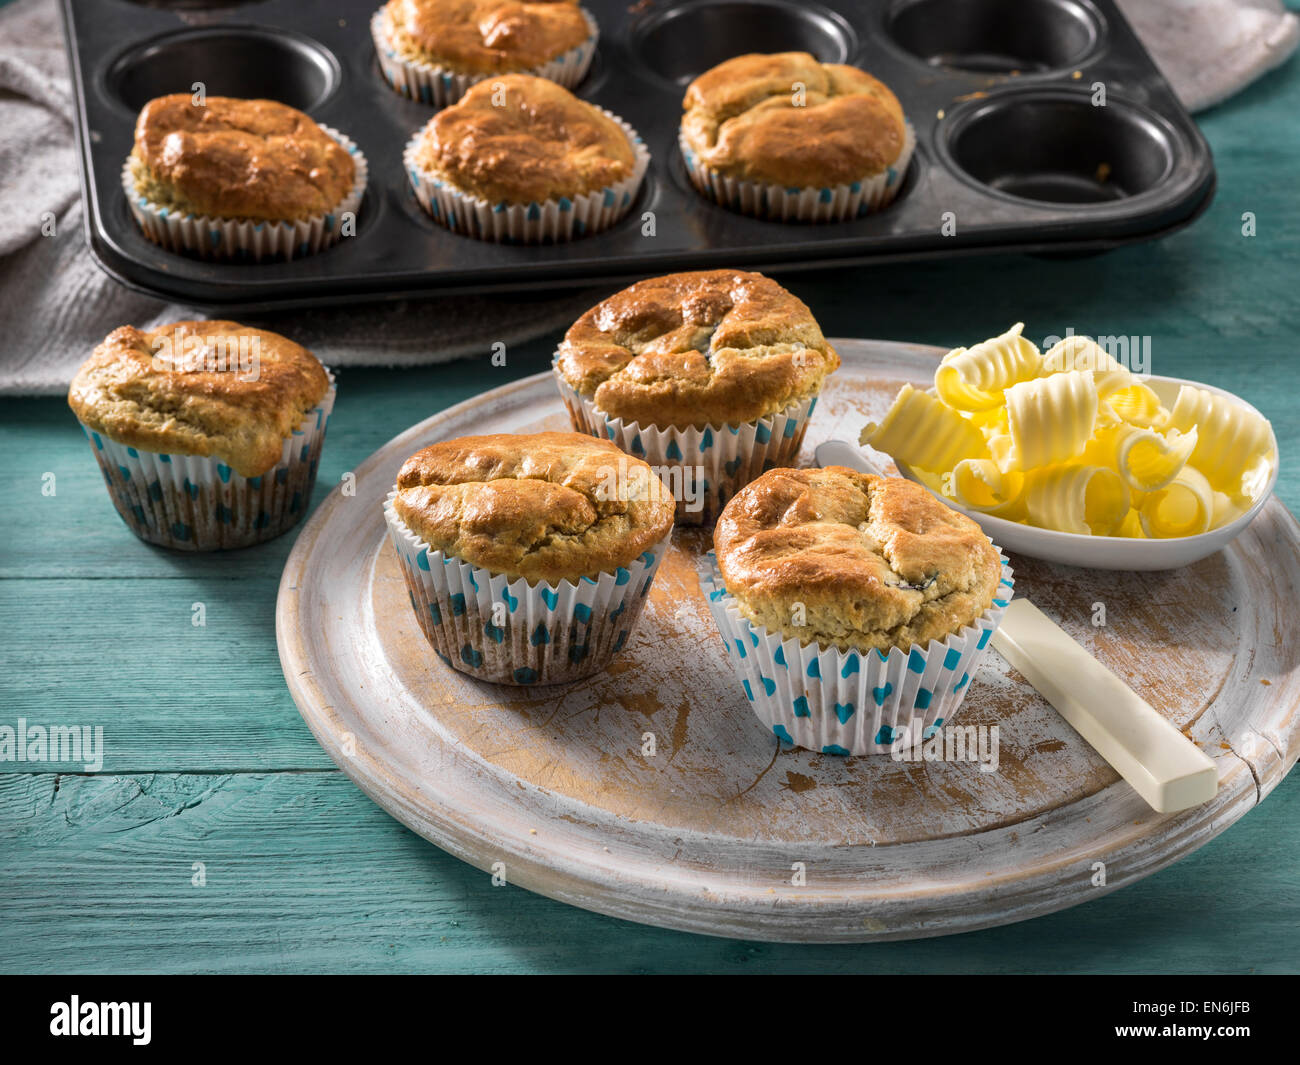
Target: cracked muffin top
<point>790,120</point>
<point>485,36</point>
<point>847,559</point>
<point>520,139</point>
<point>543,506</point>
<point>233,158</point>
<point>214,388</point>
<point>710,347</point>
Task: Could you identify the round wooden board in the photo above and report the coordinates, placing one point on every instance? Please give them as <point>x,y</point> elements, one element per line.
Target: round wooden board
<point>708,834</point>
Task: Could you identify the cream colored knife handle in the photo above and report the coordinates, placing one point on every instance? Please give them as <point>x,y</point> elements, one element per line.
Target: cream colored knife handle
<point>1166,768</point>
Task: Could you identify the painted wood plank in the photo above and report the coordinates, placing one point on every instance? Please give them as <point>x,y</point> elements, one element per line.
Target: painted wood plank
<point>304,873</point>
<point>126,655</point>
<point>1219,306</point>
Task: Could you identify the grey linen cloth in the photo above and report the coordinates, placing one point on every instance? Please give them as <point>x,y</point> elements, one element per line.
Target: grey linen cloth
<point>1210,49</point>
<point>55,304</point>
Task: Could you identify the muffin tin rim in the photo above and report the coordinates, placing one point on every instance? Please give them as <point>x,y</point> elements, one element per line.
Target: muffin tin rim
<point>1100,26</point>
<point>638,26</point>
<point>331,63</point>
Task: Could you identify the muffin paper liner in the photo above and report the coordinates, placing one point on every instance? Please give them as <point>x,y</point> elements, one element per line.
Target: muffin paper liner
<point>511,632</point>
<point>533,223</point>
<point>243,238</point>
<point>850,702</point>
<point>198,503</point>
<point>834,203</point>
<point>726,457</point>
<point>433,84</point>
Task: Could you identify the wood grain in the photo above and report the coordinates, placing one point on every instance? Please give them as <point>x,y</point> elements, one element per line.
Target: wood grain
<point>704,834</point>
<point>306,874</point>
<point>71,634</point>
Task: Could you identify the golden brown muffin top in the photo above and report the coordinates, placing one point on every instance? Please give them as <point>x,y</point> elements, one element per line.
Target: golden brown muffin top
<point>236,158</point>
<point>747,119</point>
<point>708,347</point>
<point>543,506</point>
<point>520,139</point>
<point>843,558</point>
<point>214,388</point>
<point>486,36</point>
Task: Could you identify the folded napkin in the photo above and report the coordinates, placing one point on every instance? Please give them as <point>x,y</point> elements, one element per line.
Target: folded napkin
<point>1210,49</point>
<point>55,304</point>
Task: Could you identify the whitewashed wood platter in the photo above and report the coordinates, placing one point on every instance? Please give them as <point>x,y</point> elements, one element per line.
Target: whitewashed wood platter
<point>708,834</point>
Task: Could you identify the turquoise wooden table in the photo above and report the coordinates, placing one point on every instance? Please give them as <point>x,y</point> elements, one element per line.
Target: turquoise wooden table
<point>218,837</point>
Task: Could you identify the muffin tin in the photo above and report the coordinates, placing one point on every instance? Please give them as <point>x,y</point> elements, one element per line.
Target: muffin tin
<point>1012,154</point>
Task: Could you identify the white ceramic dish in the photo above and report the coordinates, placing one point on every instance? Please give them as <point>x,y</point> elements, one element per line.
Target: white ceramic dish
<point>1117,552</point>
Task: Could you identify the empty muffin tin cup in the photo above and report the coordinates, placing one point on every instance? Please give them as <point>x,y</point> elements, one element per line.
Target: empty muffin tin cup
<point>678,42</point>
<point>778,203</point>
<point>198,503</point>
<point>508,631</point>
<point>996,36</point>
<point>1056,146</point>
<point>704,467</point>
<point>851,702</point>
<point>249,62</point>
<point>539,222</point>
<point>244,238</point>
<point>433,84</point>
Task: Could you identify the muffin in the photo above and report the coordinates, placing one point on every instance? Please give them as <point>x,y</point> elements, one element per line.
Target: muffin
<point>528,558</point>
<point>789,138</point>
<point>521,159</point>
<point>208,433</point>
<point>711,376</point>
<point>854,608</point>
<point>434,50</point>
<point>232,178</point>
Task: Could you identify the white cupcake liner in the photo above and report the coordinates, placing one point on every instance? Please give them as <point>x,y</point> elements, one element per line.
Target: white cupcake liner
<point>512,632</point>
<point>244,238</point>
<point>198,503</point>
<point>433,84</point>
<point>850,702</point>
<point>716,461</point>
<point>834,203</point>
<point>533,223</point>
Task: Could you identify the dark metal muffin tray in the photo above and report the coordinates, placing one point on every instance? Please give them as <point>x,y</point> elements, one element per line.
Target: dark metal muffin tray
<point>1015,150</point>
